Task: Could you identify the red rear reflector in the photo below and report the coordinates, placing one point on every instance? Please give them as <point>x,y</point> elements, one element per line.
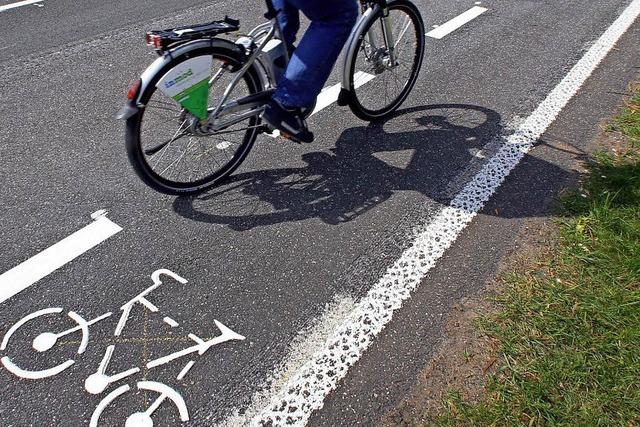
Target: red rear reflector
<point>153,40</point>
<point>133,90</point>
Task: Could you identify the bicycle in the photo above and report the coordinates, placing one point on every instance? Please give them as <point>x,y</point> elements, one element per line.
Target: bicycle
<point>208,132</point>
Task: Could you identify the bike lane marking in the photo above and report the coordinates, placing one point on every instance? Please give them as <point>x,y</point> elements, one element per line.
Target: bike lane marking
<point>99,381</point>
<point>46,262</point>
<point>450,26</point>
<point>306,388</point>
<point>19,4</point>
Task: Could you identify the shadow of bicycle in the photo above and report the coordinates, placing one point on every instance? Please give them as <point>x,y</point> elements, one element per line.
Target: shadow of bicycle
<point>433,146</point>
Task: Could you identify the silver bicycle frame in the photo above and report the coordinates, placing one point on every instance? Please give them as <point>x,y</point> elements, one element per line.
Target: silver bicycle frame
<point>264,33</point>
<point>244,69</point>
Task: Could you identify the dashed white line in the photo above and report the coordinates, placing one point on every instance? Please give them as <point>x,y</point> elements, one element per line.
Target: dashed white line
<point>457,22</point>
<point>35,268</point>
<point>19,4</point>
<point>330,94</point>
<point>308,386</point>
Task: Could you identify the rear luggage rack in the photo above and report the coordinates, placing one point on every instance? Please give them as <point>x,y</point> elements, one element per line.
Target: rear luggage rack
<point>163,39</point>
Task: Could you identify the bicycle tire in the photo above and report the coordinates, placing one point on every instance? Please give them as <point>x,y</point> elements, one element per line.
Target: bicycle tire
<point>134,142</point>
<point>355,100</point>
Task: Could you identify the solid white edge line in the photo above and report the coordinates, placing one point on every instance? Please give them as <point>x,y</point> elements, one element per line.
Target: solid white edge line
<point>307,388</point>
<point>19,4</point>
<point>457,22</point>
<point>35,268</point>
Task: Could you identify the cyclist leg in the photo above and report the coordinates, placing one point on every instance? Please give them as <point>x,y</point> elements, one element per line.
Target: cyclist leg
<point>315,56</point>
<point>289,20</point>
<point>310,64</point>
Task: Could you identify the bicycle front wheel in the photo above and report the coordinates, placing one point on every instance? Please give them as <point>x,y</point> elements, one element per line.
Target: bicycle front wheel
<point>165,150</point>
<point>379,87</point>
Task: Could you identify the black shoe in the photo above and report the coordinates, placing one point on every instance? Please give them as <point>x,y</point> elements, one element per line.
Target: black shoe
<point>289,122</point>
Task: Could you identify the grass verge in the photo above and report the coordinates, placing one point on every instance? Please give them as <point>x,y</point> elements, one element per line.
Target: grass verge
<point>569,328</point>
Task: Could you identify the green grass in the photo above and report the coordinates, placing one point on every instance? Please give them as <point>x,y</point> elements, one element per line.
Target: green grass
<point>569,327</point>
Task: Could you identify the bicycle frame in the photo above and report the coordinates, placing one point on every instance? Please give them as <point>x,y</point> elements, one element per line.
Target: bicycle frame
<point>369,10</point>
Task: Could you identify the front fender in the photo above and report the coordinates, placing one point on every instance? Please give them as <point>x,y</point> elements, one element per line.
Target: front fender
<point>352,43</point>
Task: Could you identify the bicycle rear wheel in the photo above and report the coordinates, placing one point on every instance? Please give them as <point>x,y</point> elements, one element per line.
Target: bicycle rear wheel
<point>165,148</point>
<point>378,89</point>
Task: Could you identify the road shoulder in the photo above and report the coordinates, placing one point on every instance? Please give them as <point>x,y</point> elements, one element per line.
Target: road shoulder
<point>558,316</point>
<point>390,370</point>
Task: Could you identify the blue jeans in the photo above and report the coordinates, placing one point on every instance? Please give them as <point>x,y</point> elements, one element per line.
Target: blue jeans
<point>313,59</point>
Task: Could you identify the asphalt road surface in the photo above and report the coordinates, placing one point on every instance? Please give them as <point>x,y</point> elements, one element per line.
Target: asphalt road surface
<point>307,251</point>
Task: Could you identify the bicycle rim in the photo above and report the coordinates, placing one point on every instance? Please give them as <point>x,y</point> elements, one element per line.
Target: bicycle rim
<point>377,90</point>
<point>188,162</point>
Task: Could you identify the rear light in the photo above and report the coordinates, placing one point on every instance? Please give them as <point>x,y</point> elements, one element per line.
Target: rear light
<point>154,40</point>
<point>133,90</point>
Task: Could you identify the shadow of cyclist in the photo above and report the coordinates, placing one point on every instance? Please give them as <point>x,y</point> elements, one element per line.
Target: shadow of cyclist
<point>367,166</point>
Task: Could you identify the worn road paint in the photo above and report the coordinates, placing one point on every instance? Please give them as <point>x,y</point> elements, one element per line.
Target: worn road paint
<point>169,321</point>
<point>98,382</point>
<point>95,417</point>
<point>307,388</point>
<point>45,341</point>
<point>450,26</point>
<point>35,268</point>
<point>165,392</point>
<point>141,298</point>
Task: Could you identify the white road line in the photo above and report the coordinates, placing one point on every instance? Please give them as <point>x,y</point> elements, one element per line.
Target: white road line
<point>330,94</point>
<point>457,22</point>
<point>26,274</point>
<point>19,4</point>
<point>308,386</point>
<point>169,321</point>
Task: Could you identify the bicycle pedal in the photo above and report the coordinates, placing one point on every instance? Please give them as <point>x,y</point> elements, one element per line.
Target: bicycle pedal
<point>289,137</point>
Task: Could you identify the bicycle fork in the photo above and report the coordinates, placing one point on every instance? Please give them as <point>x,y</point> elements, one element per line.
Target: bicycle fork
<point>387,34</point>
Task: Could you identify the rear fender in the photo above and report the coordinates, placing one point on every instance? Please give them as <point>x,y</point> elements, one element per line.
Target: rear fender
<point>152,74</point>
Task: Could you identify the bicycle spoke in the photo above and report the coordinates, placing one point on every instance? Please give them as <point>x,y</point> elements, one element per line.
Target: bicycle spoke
<point>168,144</point>
<point>390,85</point>
<point>404,30</point>
<point>176,154</point>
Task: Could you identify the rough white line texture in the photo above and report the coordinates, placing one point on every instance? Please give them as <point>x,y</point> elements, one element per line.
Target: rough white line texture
<point>308,387</point>
<point>308,341</point>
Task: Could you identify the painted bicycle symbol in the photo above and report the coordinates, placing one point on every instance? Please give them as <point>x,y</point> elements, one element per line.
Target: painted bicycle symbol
<point>99,381</point>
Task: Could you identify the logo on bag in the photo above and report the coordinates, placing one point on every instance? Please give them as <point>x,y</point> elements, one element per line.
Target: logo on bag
<point>178,79</point>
